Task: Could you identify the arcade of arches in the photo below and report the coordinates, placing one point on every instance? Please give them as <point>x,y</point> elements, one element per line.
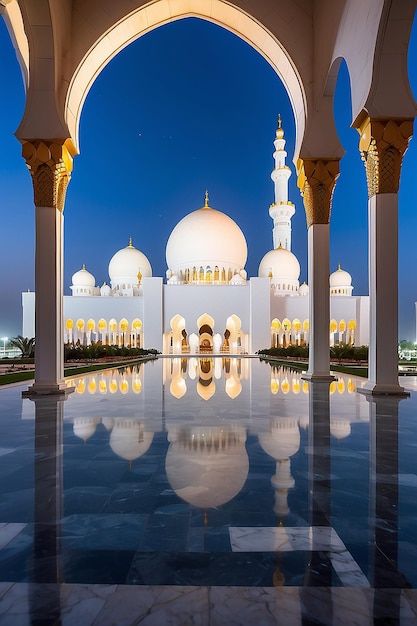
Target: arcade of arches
<point>296,332</point>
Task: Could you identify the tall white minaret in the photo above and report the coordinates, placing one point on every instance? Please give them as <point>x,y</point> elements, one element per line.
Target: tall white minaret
<point>281,211</point>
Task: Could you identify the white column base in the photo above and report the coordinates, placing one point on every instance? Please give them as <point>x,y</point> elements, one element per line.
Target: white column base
<point>318,377</point>
<point>45,389</point>
<point>375,389</point>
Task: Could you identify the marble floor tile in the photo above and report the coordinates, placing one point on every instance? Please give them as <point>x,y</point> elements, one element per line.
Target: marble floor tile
<point>8,532</point>
<point>284,539</point>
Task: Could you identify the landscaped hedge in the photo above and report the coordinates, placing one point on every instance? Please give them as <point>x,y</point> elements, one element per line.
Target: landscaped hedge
<point>97,350</point>
<point>339,352</point>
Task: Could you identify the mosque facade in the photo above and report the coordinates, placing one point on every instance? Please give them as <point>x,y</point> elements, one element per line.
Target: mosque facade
<point>207,304</point>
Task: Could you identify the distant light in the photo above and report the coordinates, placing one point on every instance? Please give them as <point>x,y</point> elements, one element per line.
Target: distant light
<point>4,338</point>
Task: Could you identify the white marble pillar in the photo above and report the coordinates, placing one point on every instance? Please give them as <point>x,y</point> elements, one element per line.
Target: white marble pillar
<point>383,295</point>
<point>50,164</point>
<point>49,327</point>
<point>317,180</point>
<point>319,302</point>
<point>383,143</point>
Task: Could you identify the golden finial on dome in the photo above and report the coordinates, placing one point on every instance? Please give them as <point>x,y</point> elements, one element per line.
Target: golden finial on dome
<point>280,131</point>
<point>280,246</point>
<point>130,243</point>
<point>206,200</point>
<point>139,276</point>
<point>338,266</point>
<point>83,267</point>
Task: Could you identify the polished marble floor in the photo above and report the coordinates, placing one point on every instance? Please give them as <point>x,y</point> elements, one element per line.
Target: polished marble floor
<point>214,491</point>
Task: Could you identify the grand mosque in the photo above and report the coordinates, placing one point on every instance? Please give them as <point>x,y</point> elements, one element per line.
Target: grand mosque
<point>208,304</point>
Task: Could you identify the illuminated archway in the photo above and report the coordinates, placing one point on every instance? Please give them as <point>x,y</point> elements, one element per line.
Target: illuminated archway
<point>69,327</point>
<point>135,339</point>
<point>233,325</point>
<point>205,324</point>
<point>178,336</point>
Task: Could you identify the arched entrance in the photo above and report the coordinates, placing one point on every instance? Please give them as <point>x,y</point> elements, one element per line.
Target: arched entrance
<point>205,325</point>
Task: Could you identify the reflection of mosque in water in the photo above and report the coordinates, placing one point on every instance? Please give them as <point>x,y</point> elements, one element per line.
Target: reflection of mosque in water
<point>207,461</point>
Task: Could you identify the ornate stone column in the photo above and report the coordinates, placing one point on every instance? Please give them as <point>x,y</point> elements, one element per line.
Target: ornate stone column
<point>383,143</point>
<point>50,165</point>
<point>317,180</point>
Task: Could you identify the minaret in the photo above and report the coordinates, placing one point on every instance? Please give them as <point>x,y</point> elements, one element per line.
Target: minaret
<point>282,210</point>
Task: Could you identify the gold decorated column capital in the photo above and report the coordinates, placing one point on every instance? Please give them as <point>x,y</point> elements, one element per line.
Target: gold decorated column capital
<point>50,164</point>
<point>382,144</point>
<point>316,181</point>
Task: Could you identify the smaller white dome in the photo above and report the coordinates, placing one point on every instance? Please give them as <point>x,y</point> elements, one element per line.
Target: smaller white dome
<point>126,264</point>
<point>283,269</point>
<point>237,279</point>
<point>83,278</point>
<point>105,290</point>
<point>173,280</point>
<point>340,283</point>
<point>304,289</point>
<point>340,278</point>
<point>280,264</point>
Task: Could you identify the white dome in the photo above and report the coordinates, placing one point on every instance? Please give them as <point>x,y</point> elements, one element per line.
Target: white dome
<point>206,238</point>
<point>105,290</point>
<point>126,264</point>
<point>237,279</point>
<point>340,283</point>
<point>304,289</point>
<point>283,268</point>
<point>83,278</point>
<point>340,278</point>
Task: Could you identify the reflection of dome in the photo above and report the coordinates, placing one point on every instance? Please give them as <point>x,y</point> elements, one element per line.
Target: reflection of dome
<point>206,239</point>
<point>341,283</point>
<point>340,428</point>
<point>85,427</point>
<point>128,439</point>
<point>126,264</point>
<point>83,278</point>
<point>207,466</point>
<point>282,267</point>
<point>283,440</point>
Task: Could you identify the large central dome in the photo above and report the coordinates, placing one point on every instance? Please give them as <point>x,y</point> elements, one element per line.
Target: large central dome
<point>206,240</point>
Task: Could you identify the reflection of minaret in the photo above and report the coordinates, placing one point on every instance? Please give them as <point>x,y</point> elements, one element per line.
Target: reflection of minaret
<point>281,211</point>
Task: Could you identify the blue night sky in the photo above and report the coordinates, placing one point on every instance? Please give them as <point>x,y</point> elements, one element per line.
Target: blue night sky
<point>185,108</point>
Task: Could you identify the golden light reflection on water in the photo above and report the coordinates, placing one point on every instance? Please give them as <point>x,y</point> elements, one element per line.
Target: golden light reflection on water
<point>201,374</point>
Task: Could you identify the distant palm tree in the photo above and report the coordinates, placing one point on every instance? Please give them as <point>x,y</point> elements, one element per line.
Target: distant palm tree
<point>24,344</point>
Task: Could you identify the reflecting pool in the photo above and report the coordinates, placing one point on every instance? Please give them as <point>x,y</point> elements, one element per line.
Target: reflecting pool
<point>221,490</point>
